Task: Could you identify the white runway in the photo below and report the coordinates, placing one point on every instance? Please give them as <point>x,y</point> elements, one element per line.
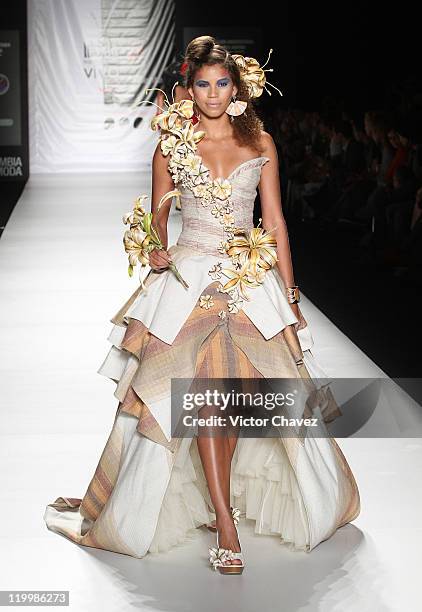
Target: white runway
<point>63,275</point>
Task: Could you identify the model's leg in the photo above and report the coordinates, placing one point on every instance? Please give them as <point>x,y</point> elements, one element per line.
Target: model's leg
<point>232,441</point>
<point>232,437</point>
<point>216,452</point>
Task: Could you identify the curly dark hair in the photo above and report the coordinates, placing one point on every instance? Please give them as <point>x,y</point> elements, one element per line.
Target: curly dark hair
<point>204,50</point>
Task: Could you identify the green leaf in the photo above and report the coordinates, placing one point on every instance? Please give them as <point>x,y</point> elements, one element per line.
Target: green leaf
<point>147,222</point>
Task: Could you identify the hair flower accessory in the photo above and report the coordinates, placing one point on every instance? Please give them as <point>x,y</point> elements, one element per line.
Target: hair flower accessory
<point>253,74</point>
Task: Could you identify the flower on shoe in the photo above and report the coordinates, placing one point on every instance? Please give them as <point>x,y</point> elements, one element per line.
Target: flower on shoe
<point>219,555</point>
<point>236,515</point>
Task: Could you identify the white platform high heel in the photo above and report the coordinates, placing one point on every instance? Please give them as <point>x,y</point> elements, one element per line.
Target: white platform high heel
<point>219,556</point>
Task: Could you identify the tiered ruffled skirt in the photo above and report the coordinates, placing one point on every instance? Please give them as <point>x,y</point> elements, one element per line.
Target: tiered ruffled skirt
<point>149,492</point>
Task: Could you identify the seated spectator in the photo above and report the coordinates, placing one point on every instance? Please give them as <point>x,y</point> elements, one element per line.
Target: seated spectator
<point>392,213</point>
<point>406,251</point>
<point>380,168</point>
<point>351,157</point>
<point>410,135</point>
<point>322,138</point>
<point>372,150</point>
<point>347,168</point>
<point>361,135</point>
<point>379,128</point>
<point>404,185</point>
<point>355,192</point>
<point>385,193</point>
<point>401,154</point>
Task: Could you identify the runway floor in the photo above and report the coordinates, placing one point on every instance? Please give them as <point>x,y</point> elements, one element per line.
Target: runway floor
<point>63,274</point>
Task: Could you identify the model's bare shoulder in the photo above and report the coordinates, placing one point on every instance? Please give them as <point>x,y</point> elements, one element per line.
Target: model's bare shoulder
<point>158,157</point>
<point>162,183</point>
<point>160,165</point>
<point>267,144</point>
<point>269,149</point>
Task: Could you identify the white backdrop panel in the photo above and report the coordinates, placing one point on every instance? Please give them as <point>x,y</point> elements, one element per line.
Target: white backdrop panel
<point>89,62</point>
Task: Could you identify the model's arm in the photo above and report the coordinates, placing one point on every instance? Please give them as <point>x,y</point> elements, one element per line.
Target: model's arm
<point>162,183</point>
<point>272,216</point>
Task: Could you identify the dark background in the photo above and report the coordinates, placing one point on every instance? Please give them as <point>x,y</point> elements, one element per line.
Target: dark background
<point>14,17</point>
<point>355,51</point>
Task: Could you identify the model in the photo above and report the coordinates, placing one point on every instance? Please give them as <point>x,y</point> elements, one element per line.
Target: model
<point>220,303</point>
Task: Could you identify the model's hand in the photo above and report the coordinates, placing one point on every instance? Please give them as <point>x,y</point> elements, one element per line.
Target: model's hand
<point>159,259</point>
<point>301,320</point>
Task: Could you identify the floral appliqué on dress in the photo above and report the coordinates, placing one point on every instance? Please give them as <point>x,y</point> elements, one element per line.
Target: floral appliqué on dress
<point>252,252</point>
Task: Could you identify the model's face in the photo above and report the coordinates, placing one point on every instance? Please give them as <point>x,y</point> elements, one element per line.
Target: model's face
<point>212,90</point>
